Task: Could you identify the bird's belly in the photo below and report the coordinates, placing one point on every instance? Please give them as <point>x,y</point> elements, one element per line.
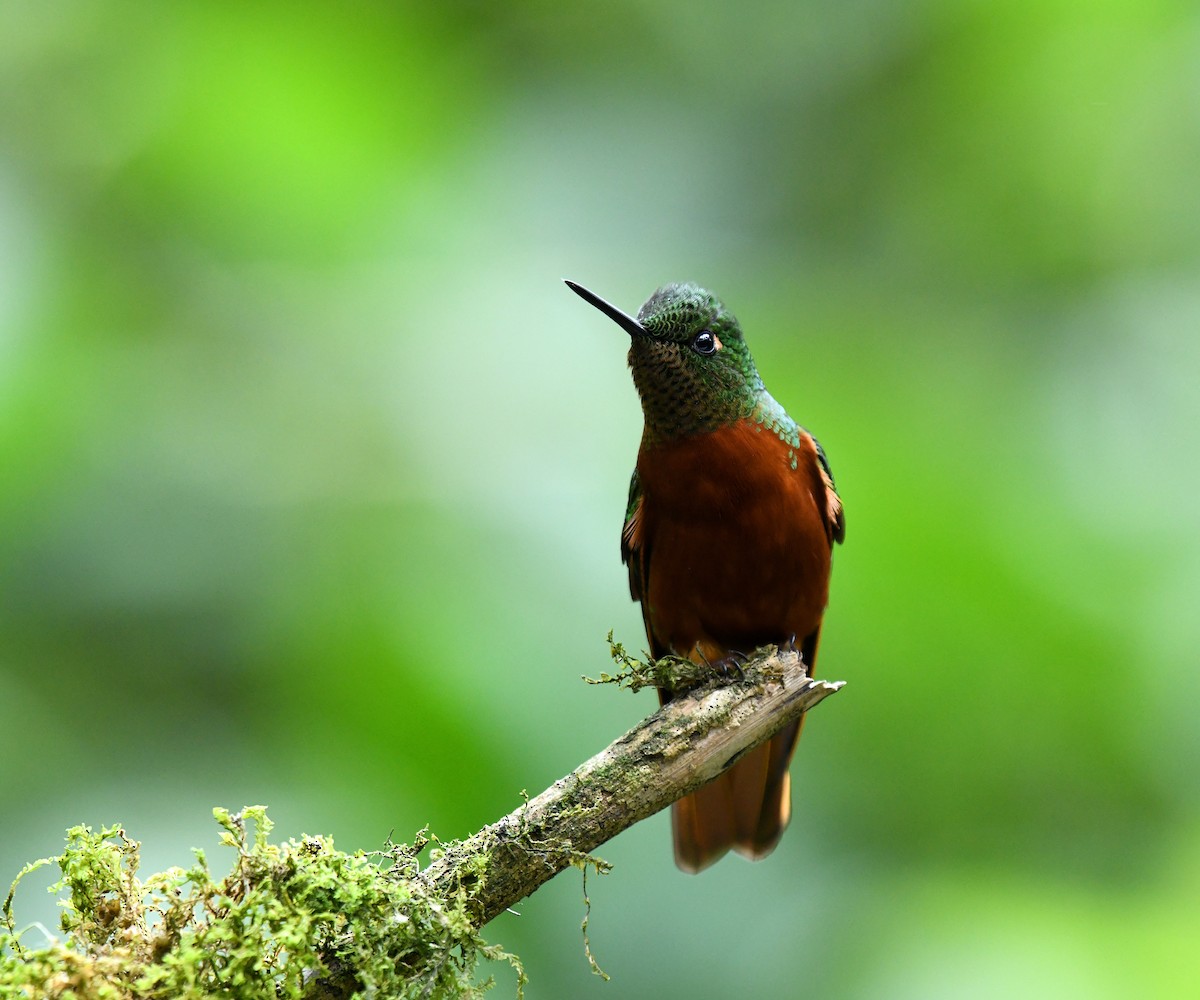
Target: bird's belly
<point>735,587</point>
<point>739,555</point>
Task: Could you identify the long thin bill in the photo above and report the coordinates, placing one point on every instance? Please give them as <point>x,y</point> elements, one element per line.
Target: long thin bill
<point>623,320</point>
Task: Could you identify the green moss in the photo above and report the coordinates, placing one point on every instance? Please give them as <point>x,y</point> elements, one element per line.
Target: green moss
<point>285,913</point>
<point>669,672</point>
<point>674,673</point>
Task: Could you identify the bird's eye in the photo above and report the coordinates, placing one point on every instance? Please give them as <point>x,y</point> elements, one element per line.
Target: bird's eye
<point>705,342</point>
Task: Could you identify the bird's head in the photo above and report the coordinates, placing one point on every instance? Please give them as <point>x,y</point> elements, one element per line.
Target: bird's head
<point>690,362</point>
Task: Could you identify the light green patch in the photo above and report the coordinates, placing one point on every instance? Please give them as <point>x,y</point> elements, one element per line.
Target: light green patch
<point>769,413</point>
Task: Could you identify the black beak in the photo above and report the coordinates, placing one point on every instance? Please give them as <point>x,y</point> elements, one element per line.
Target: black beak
<point>623,320</point>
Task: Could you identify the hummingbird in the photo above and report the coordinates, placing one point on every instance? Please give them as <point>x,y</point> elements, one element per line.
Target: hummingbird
<point>728,539</point>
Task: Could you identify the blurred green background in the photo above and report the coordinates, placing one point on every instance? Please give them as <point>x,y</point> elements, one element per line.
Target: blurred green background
<point>314,471</point>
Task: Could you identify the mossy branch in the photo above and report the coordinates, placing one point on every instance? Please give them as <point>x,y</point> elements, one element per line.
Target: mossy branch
<point>685,744</point>
<point>305,921</point>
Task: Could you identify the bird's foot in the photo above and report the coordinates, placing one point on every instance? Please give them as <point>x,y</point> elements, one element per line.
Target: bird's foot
<point>732,664</point>
<point>791,647</point>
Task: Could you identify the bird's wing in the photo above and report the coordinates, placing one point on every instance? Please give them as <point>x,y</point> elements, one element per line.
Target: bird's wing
<point>635,554</point>
<point>831,511</point>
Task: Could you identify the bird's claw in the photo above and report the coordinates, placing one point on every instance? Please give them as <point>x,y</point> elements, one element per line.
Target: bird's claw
<point>791,647</point>
<point>731,664</point>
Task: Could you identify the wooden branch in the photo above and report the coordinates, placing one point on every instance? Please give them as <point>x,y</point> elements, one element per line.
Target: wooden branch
<point>685,744</point>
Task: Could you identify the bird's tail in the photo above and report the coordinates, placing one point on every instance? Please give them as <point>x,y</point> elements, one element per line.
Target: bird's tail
<point>748,807</point>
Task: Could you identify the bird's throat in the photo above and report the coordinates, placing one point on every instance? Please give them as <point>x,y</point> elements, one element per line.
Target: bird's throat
<point>679,401</point>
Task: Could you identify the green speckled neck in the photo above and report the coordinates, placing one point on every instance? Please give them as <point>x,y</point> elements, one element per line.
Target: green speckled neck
<point>681,398</point>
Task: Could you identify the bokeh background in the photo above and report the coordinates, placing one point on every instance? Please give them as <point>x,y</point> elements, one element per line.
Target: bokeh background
<point>313,471</point>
